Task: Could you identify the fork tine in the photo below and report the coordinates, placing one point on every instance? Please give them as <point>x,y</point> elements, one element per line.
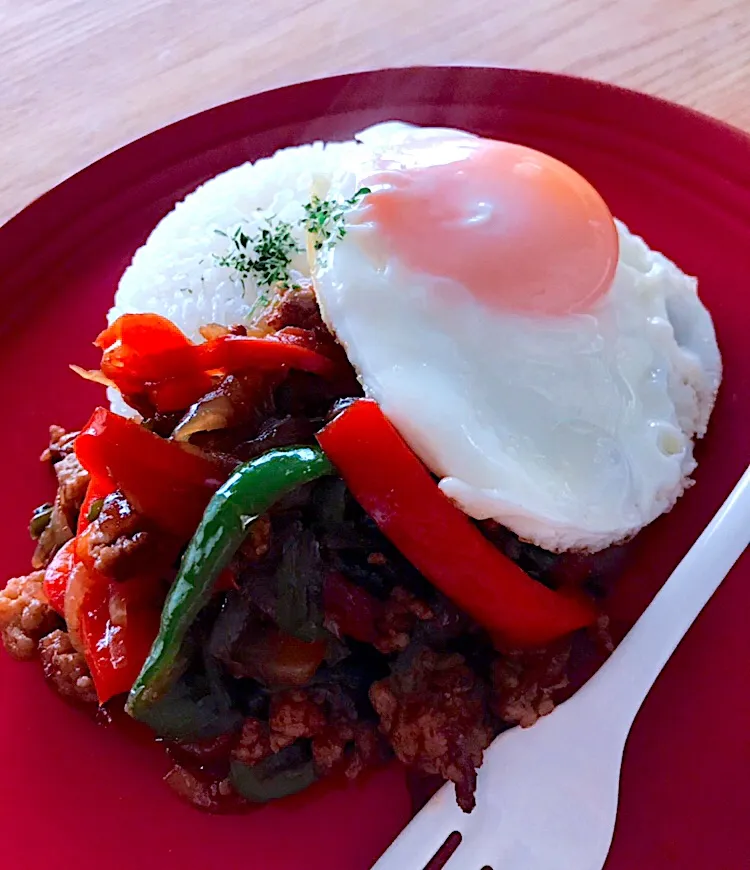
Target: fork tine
<point>416,845</point>
<point>480,831</point>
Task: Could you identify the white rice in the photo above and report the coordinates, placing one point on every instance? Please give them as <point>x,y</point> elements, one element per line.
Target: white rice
<point>176,274</point>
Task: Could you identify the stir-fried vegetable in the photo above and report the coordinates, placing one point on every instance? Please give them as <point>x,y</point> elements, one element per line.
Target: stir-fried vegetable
<point>112,624</point>
<point>117,625</point>
<point>248,493</point>
<point>148,358</point>
<point>299,588</point>
<point>280,660</point>
<point>350,608</point>
<point>250,645</point>
<point>280,775</point>
<point>40,520</point>
<point>196,707</point>
<point>146,354</point>
<point>398,492</point>
<point>165,481</point>
<point>57,575</point>
<point>58,572</point>
<point>233,353</point>
<point>98,489</point>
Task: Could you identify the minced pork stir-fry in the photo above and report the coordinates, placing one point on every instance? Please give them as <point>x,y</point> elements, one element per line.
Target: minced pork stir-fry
<point>273,580</point>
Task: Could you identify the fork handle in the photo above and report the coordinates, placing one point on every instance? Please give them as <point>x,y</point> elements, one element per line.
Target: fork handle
<point>633,668</point>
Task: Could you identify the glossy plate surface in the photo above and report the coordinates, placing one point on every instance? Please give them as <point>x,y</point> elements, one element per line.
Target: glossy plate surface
<point>73,788</point>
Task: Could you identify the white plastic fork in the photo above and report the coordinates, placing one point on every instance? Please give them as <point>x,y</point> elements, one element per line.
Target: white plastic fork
<point>547,795</point>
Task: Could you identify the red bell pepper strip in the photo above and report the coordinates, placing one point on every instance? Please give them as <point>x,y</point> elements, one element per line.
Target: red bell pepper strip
<point>115,653</point>
<point>58,571</point>
<point>98,488</point>
<point>57,574</point>
<point>147,355</point>
<point>226,581</point>
<point>397,491</point>
<point>135,343</point>
<point>350,610</point>
<point>116,637</point>
<point>163,480</point>
<point>233,353</point>
<point>116,650</point>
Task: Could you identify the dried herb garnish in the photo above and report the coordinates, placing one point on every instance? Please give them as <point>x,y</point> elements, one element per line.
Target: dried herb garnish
<point>324,218</point>
<point>267,256</point>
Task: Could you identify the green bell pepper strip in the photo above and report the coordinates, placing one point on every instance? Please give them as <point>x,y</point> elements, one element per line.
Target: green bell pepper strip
<point>40,520</point>
<point>278,776</point>
<point>250,491</point>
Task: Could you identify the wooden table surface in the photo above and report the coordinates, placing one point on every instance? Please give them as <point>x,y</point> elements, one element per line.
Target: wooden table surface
<point>82,77</point>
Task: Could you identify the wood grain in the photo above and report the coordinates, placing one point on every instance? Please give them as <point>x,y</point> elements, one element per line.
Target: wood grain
<point>82,77</point>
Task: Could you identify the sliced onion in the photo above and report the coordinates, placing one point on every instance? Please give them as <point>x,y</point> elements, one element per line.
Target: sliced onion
<point>207,415</point>
<point>260,329</point>
<point>213,330</point>
<point>93,375</point>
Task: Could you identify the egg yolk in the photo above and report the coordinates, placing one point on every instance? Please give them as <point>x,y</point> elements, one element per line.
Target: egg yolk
<point>518,228</point>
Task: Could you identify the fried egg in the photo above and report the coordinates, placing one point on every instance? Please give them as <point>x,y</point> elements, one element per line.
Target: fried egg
<point>544,363</point>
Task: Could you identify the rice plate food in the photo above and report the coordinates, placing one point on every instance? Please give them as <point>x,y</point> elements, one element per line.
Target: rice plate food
<point>381,414</point>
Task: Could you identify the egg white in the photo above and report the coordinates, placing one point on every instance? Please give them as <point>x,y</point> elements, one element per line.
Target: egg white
<point>574,431</point>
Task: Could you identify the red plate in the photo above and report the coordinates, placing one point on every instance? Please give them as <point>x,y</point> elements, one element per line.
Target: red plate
<point>72,788</point>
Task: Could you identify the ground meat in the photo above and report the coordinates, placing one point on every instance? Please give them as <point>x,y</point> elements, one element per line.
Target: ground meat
<point>294,714</point>
<point>214,795</point>
<point>351,611</point>
<point>351,747</point>
<point>601,636</point>
<point>121,542</point>
<point>434,713</point>
<point>254,743</point>
<point>329,746</point>
<point>298,315</point>
<point>72,482</point>
<point>202,752</point>
<point>339,741</point>
<point>257,541</point>
<point>369,749</point>
<point>120,558</point>
<point>66,669</point>
<point>396,623</point>
<point>297,308</point>
<point>61,444</point>
<point>25,615</point>
<point>526,684</point>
